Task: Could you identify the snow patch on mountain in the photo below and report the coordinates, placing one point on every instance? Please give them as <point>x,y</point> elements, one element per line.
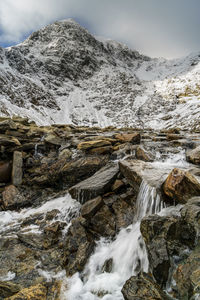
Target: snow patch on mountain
<point>62,74</point>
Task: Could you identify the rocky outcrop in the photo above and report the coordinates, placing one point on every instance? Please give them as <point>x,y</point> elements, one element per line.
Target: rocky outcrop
<point>98,184</point>
<point>166,237</point>
<point>142,287</point>
<point>187,276</point>
<point>181,185</point>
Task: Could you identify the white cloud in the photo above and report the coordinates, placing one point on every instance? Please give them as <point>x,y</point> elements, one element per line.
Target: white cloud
<point>154,27</point>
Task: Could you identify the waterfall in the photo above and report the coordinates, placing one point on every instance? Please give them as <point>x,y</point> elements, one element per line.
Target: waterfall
<point>127,254</point>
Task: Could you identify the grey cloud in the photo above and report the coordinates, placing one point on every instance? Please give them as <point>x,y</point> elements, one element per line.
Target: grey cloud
<point>154,27</point>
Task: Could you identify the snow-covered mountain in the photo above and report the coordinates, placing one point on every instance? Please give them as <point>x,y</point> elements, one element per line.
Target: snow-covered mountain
<point>63,74</point>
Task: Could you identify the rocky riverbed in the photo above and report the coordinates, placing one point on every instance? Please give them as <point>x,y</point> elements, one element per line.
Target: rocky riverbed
<point>71,197</point>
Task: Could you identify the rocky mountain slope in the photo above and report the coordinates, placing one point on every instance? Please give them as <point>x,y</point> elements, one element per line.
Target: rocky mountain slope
<point>62,74</point>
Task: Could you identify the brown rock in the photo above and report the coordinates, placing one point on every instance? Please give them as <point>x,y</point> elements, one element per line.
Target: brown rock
<point>90,208</point>
<point>5,172</point>
<point>118,184</point>
<point>12,197</point>
<point>142,154</point>
<point>142,287</point>
<point>193,156</point>
<point>101,150</point>
<point>37,292</point>
<point>93,144</point>
<point>181,186</point>
<point>133,138</point>
<point>17,168</point>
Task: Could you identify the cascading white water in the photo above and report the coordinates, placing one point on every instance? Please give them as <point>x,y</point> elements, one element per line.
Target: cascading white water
<point>127,252</point>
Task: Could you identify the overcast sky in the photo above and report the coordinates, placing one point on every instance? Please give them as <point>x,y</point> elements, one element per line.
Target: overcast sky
<point>167,28</point>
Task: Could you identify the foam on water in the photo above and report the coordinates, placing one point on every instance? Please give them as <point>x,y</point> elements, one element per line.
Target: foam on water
<point>127,251</point>
<point>66,206</point>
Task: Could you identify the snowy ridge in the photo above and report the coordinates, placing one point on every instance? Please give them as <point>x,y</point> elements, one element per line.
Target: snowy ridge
<point>62,74</point>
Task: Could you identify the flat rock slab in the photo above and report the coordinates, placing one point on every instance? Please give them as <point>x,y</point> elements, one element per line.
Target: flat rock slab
<point>96,185</point>
<point>136,171</point>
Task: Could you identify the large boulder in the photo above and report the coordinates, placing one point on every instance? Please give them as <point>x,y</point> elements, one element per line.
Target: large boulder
<point>142,287</point>
<point>96,185</point>
<point>165,237</point>
<point>181,185</point>
<point>193,156</point>
<point>187,277</point>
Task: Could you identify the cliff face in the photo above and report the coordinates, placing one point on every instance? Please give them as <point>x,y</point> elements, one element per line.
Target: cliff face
<point>62,74</point>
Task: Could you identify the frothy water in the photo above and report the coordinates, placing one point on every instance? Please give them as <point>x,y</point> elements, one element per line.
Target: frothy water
<point>67,207</point>
<point>127,255</point>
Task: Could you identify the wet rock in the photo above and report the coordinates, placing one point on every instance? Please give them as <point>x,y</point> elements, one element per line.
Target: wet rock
<point>17,168</point>
<point>123,212</point>
<point>37,292</point>
<point>103,222</point>
<point>133,138</point>
<point>142,154</point>
<point>5,172</point>
<point>107,266</point>
<point>90,208</point>
<point>165,237</point>
<point>8,288</point>
<point>78,247</point>
<point>93,144</point>
<point>96,185</point>
<point>142,287</point>
<point>12,198</point>
<point>181,186</point>
<point>187,276</point>
<point>191,213</point>
<point>193,156</point>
